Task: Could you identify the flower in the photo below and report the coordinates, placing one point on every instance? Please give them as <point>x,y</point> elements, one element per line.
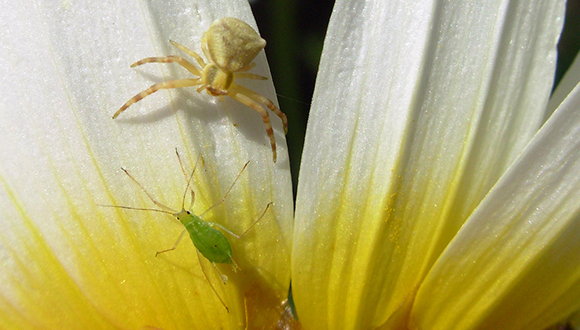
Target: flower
<point>428,198</point>
<point>67,261</point>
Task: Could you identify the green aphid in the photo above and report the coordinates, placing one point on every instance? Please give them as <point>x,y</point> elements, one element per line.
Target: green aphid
<point>208,241</point>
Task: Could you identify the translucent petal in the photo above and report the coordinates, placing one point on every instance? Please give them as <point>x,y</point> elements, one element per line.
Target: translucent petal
<point>565,86</point>
<point>575,320</point>
<point>515,263</point>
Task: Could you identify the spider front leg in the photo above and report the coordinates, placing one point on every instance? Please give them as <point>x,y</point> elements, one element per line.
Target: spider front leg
<point>257,97</point>
<point>170,59</point>
<point>245,99</point>
<point>240,75</point>
<point>189,52</point>
<point>164,85</point>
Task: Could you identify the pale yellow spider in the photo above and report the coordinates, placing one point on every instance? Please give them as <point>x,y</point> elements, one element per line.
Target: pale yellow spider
<point>230,45</point>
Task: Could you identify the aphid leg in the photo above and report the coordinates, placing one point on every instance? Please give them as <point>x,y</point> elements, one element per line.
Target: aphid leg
<point>189,52</point>
<point>227,192</point>
<point>222,276</point>
<point>241,97</point>
<point>170,59</point>
<point>251,94</point>
<point>187,178</point>
<point>147,193</point>
<point>235,265</point>
<point>174,245</point>
<point>208,281</point>
<point>164,85</point>
<point>245,231</point>
<point>255,222</point>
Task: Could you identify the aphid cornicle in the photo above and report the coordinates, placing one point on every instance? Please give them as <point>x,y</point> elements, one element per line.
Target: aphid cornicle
<point>230,45</point>
<point>208,240</point>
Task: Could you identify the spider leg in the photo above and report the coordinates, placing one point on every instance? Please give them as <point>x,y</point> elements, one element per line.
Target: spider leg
<point>248,67</point>
<point>164,85</point>
<point>189,52</point>
<point>170,59</point>
<point>245,99</point>
<point>247,75</point>
<point>251,94</point>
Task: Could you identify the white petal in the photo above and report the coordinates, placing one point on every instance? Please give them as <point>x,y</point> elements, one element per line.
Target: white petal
<point>65,72</point>
<point>419,108</point>
<point>515,263</point>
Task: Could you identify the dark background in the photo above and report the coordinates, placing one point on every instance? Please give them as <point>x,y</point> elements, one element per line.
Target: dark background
<point>295,32</point>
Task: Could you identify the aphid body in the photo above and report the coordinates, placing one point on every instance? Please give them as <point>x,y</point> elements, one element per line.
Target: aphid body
<point>230,45</point>
<point>210,242</point>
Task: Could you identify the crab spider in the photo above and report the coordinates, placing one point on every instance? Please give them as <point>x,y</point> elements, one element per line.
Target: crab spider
<point>230,45</point>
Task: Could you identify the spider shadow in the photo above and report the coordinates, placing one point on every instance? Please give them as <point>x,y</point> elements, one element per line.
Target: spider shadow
<point>236,118</point>
<point>249,122</point>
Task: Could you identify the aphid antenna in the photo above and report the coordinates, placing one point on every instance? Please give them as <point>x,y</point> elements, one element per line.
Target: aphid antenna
<point>165,208</point>
<point>227,192</point>
<point>135,208</point>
